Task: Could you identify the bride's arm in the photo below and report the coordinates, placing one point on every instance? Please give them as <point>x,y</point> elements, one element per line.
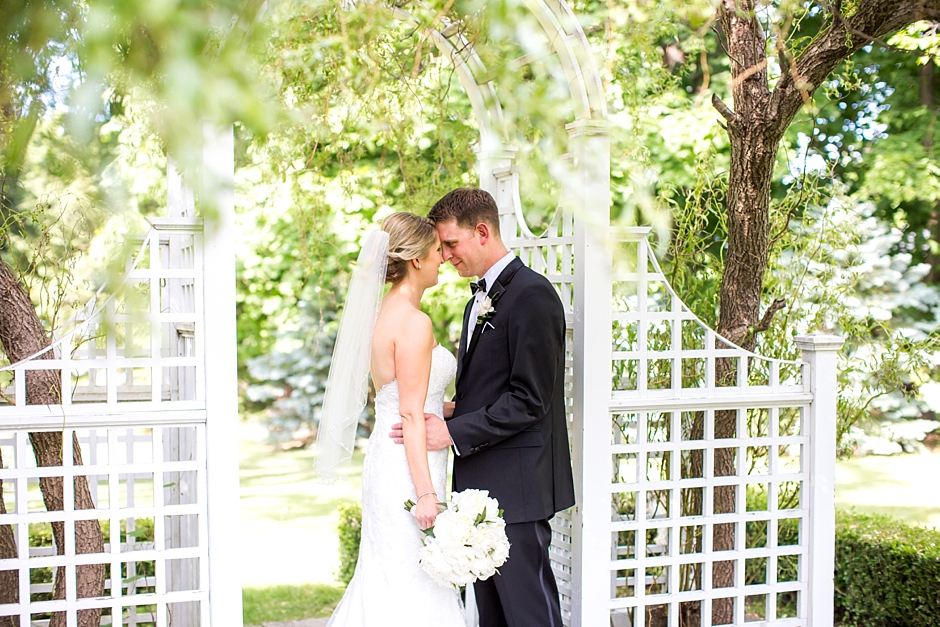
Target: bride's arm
<point>413,370</point>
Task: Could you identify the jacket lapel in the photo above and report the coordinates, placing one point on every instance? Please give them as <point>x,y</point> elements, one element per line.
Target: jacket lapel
<point>462,348</point>
<point>499,286</point>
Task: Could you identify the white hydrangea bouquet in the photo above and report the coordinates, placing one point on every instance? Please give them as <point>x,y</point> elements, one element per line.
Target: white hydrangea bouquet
<point>468,540</point>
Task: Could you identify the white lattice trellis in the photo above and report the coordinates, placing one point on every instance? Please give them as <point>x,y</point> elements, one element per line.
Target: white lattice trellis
<point>696,492</point>
<point>670,511</point>
<point>664,483</point>
<point>147,412</point>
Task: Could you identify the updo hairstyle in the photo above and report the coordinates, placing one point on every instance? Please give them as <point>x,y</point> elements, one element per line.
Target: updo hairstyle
<point>409,237</point>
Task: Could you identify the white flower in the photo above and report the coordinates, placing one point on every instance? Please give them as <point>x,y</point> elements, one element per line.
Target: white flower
<point>450,529</point>
<point>468,542</point>
<point>469,503</point>
<point>486,310</point>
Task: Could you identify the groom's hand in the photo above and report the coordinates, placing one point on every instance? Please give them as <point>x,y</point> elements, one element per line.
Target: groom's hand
<point>437,435</point>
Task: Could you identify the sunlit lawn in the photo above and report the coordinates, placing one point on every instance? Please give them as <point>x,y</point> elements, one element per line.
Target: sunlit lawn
<point>903,486</point>
<point>288,518</point>
<point>286,603</point>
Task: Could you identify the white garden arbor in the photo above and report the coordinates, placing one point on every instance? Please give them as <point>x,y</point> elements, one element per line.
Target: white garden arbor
<point>150,393</point>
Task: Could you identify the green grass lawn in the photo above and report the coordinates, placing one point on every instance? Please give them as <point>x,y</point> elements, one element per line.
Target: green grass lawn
<point>903,486</point>
<point>288,518</point>
<point>288,524</point>
<point>285,603</point>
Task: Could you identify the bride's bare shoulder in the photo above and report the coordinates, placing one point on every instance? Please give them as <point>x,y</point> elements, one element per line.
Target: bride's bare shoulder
<point>402,319</point>
<point>415,325</point>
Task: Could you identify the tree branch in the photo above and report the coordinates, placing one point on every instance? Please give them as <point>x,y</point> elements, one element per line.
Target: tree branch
<point>872,19</point>
<point>722,108</point>
<point>768,316</point>
<point>724,47</point>
<point>837,16</point>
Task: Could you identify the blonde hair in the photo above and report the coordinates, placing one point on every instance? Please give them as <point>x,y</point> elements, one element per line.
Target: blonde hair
<point>409,237</point>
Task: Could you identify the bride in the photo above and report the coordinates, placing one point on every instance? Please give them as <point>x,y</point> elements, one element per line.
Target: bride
<point>393,338</point>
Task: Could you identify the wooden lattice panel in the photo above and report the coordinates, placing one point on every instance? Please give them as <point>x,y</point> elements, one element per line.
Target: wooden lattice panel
<point>667,487</point>
<point>708,469</point>
<point>150,500</point>
<point>133,396</point>
<point>552,254</point>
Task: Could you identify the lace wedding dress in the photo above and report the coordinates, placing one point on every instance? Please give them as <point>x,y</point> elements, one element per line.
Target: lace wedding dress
<point>389,588</point>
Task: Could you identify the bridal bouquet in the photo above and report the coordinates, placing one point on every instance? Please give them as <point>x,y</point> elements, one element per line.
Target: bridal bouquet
<point>468,540</point>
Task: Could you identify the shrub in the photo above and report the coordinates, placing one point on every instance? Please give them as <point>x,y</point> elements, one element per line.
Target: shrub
<point>350,533</point>
<point>887,573</point>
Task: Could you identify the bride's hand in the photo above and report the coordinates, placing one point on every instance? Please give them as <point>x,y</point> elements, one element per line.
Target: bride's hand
<point>449,409</point>
<point>427,510</point>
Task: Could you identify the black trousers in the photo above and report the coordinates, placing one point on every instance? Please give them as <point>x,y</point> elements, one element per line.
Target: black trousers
<point>524,593</point>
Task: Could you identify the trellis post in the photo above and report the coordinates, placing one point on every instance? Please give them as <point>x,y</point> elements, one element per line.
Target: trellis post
<point>221,385</point>
<point>820,352</point>
<point>592,378</point>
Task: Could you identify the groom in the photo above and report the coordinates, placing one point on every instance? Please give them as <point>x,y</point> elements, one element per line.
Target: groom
<point>508,428</point>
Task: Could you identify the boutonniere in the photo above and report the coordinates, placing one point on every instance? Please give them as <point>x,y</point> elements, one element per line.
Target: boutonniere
<point>486,310</point>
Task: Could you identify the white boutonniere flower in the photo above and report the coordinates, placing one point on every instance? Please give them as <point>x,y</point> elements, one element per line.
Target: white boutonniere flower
<point>486,310</point>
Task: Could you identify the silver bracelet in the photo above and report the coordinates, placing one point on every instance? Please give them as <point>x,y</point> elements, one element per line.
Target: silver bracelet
<point>424,494</point>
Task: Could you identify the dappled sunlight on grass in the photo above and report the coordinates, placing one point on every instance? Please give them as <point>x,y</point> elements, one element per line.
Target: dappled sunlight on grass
<point>288,518</point>
<point>903,486</point>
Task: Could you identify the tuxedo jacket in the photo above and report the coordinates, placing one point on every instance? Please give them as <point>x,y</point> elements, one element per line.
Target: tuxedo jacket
<point>509,425</point>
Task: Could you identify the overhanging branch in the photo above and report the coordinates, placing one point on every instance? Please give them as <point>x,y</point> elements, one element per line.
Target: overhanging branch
<point>872,20</point>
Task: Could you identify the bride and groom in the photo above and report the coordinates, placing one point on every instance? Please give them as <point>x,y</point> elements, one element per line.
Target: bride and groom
<point>506,425</point>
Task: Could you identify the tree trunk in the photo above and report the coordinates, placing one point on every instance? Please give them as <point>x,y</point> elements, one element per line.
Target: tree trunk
<point>755,127</point>
<point>21,335</point>
<point>9,579</point>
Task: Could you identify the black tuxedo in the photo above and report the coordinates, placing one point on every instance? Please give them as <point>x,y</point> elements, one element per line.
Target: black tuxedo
<point>510,433</point>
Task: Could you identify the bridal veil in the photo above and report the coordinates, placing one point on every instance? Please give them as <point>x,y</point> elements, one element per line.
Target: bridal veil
<point>347,385</point>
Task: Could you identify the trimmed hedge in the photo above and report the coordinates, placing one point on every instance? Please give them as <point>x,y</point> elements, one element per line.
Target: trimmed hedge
<point>350,533</point>
<point>887,572</point>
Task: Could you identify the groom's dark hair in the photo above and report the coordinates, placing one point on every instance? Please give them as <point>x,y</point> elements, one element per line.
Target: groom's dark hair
<point>469,206</point>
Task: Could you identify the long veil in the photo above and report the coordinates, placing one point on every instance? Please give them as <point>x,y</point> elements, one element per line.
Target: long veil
<point>347,385</point>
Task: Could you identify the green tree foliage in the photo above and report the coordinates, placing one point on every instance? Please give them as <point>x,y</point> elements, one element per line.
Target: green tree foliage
<point>88,92</point>
<point>843,253</point>
<point>872,127</point>
<point>373,131</point>
<point>368,133</point>
<point>350,535</point>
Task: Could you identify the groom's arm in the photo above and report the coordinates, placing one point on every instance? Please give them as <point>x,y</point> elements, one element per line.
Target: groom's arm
<point>536,335</point>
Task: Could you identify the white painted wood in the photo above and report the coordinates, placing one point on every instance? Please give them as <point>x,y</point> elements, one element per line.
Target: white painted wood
<point>221,383</point>
<point>821,353</point>
<point>136,431</point>
<point>620,556</point>
<point>130,460</point>
<point>180,442</point>
<point>591,381</point>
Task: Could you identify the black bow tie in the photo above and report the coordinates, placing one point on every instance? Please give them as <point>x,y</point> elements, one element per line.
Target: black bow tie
<point>477,287</point>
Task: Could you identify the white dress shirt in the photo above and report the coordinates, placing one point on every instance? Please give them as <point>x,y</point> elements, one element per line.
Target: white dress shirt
<point>490,277</point>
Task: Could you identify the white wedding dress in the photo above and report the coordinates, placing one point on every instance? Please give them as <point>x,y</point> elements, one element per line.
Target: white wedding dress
<point>389,588</point>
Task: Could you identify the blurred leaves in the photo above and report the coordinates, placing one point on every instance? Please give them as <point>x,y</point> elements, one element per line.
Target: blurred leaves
<point>345,114</point>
